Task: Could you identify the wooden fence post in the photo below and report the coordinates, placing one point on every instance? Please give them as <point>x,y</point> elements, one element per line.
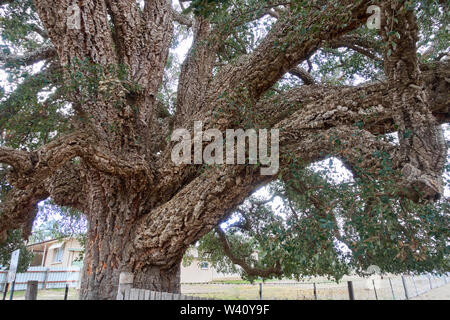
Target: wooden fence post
<point>66,292</point>
<point>46,272</point>
<point>5,290</point>
<point>32,290</point>
<point>315,291</point>
<point>260,291</point>
<point>11,292</point>
<point>351,294</point>
<point>125,284</point>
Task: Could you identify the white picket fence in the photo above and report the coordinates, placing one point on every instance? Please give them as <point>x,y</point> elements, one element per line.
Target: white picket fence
<point>127,292</point>
<point>142,294</point>
<point>48,278</point>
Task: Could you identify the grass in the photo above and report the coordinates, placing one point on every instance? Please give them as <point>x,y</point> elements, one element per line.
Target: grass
<point>239,281</point>
<point>50,294</point>
<point>243,290</point>
<point>251,292</point>
<point>235,281</point>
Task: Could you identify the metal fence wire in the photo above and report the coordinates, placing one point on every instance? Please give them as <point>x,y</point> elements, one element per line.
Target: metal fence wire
<point>376,288</point>
<point>382,288</point>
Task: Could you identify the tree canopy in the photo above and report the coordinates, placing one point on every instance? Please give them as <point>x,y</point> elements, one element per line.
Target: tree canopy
<point>87,112</point>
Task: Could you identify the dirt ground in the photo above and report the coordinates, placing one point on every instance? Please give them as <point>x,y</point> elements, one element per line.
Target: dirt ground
<point>51,294</point>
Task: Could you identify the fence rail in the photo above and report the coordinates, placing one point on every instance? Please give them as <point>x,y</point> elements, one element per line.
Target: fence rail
<point>392,288</point>
<point>141,294</point>
<point>48,278</point>
<point>127,292</point>
<point>386,288</point>
<point>399,288</point>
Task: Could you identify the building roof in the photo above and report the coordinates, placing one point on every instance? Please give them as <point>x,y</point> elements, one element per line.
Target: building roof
<point>47,242</point>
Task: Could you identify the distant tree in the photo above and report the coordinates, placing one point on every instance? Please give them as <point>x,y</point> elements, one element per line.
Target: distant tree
<point>94,92</point>
<point>15,242</point>
<point>58,223</point>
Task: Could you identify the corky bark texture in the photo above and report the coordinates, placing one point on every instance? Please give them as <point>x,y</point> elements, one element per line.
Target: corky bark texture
<point>144,211</point>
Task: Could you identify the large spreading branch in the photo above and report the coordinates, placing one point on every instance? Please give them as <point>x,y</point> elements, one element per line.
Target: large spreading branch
<point>261,69</point>
<point>311,119</point>
<point>318,107</point>
<point>67,186</point>
<point>422,144</point>
<point>38,174</point>
<point>246,80</point>
<point>197,69</point>
<point>19,160</point>
<point>18,210</point>
<point>143,39</point>
<point>40,164</point>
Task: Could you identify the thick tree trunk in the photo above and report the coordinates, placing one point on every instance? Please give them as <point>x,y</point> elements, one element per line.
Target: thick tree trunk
<point>159,279</point>
<point>104,285</point>
<point>109,251</point>
<point>113,210</point>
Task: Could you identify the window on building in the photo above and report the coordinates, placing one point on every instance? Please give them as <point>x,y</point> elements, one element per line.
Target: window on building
<point>58,254</point>
<point>204,265</point>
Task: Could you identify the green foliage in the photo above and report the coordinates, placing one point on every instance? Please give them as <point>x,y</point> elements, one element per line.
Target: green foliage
<point>31,106</point>
<point>333,227</point>
<point>27,117</point>
<point>207,7</point>
<point>19,25</point>
<point>13,243</point>
<point>54,222</point>
<point>434,30</point>
<point>188,259</point>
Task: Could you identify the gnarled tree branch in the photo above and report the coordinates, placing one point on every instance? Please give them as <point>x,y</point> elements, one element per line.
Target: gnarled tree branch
<point>19,209</point>
<point>43,53</point>
<point>249,270</point>
<point>304,75</point>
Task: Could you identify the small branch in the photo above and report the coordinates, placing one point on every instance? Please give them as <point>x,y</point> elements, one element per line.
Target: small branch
<point>363,46</point>
<point>258,272</point>
<point>304,75</point>
<point>273,14</point>
<point>39,31</point>
<point>44,53</point>
<point>181,19</point>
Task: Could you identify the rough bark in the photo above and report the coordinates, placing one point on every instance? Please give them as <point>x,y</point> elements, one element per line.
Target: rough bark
<point>113,210</point>
<point>143,210</point>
